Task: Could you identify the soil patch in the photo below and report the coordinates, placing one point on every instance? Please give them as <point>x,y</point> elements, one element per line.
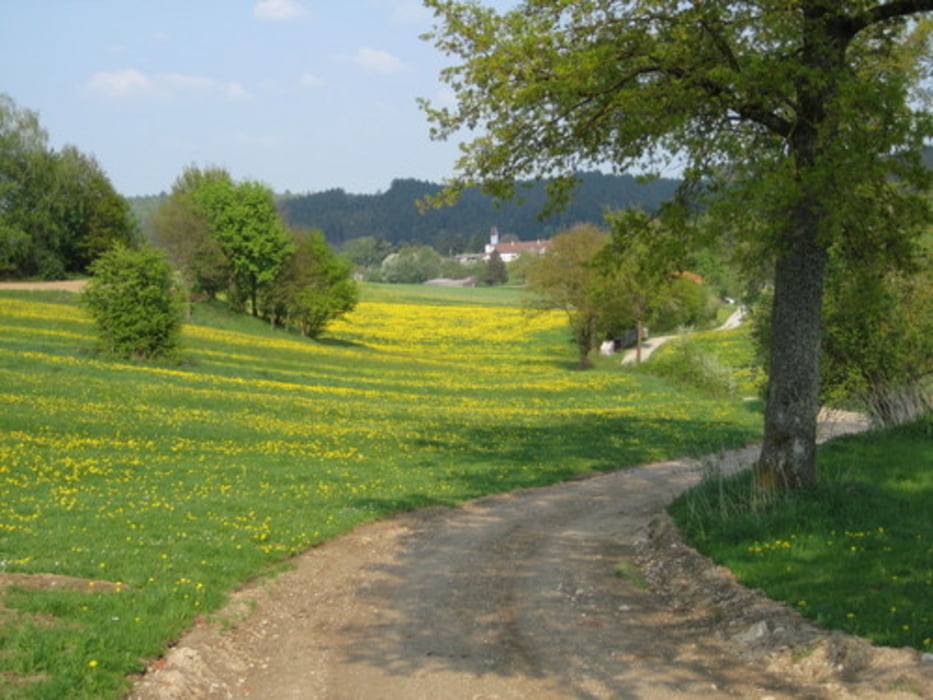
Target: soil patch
<point>58,582</point>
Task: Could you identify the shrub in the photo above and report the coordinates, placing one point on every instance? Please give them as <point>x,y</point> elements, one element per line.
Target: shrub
<point>411,265</point>
<point>313,288</point>
<point>135,303</point>
<point>684,363</point>
<point>685,303</point>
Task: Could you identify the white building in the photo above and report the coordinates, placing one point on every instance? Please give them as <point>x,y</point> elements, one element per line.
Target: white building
<point>510,251</point>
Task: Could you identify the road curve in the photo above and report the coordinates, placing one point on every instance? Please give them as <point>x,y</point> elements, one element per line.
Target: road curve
<point>511,596</point>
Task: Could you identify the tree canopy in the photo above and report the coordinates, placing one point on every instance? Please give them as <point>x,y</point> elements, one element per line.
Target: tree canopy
<point>245,223</point>
<point>58,209</point>
<point>313,287</point>
<point>568,278</point>
<point>183,230</point>
<point>227,237</point>
<point>135,303</point>
<point>793,119</point>
<point>608,294</point>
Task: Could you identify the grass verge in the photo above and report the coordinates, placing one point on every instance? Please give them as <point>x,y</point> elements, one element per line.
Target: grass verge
<point>854,554</point>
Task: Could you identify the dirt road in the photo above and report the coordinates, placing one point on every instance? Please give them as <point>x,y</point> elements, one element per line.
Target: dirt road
<point>631,356</point>
<point>573,591</point>
<point>63,286</point>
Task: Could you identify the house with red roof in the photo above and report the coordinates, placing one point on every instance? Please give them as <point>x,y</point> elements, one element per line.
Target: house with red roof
<point>510,251</point>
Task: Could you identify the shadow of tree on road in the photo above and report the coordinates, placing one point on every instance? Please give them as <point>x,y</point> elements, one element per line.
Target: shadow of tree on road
<point>520,591</point>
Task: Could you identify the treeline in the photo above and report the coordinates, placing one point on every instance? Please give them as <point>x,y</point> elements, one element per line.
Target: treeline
<point>227,238</point>
<point>60,215</point>
<point>58,209</point>
<point>394,215</point>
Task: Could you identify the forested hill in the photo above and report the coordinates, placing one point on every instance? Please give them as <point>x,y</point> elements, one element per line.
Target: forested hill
<point>393,214</point>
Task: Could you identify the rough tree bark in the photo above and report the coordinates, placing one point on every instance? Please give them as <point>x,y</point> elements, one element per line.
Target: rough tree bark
<point>788,453</point>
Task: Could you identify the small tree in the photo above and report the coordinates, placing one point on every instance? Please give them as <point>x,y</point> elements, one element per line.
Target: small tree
<point>567,278</point>
<point>244,220</point>
<point>183,230</point>
<point>314,286</point>
<point>496,271</point>
<point>413,264</point>
<point>133,300</point>
<point>641,256</point>
<point>683,302</point>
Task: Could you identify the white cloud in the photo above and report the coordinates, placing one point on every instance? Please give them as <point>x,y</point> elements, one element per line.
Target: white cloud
<point>378,61</point>
<point>279,10</point>
<point>310,80</point>
<point>235,91</point>
<point>129,82</point>
<point>118,83</point>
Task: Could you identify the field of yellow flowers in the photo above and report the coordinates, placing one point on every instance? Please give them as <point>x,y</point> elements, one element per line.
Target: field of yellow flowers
<point>165,486</point>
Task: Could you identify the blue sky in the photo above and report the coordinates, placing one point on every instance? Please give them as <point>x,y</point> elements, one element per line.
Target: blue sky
<point>303,95</point>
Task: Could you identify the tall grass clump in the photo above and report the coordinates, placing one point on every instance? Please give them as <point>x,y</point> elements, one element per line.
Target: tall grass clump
<point>854,553</point>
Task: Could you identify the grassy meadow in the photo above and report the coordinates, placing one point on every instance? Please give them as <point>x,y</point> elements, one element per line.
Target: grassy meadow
<point>168,485</point>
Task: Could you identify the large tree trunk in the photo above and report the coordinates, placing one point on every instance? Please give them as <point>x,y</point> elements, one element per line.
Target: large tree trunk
<point>787,458</point>
<point>788,454</point>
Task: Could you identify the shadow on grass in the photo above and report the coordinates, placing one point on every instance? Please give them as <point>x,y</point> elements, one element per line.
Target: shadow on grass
<point>543,455</point>
<point>856,545</point>
<point>486,460</point>
<point>331,342</point>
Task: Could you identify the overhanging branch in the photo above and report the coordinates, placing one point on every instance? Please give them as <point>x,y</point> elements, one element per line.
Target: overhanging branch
<point>852,25</point>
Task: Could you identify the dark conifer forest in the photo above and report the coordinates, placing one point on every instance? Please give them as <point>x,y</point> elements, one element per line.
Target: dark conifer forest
<point>394,215</point>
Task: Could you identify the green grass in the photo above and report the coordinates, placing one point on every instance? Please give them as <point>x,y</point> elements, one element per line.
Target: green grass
<point>719,363</point>
<point>174,483</point>
<point>854,554</point>
<point>419,293</point>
